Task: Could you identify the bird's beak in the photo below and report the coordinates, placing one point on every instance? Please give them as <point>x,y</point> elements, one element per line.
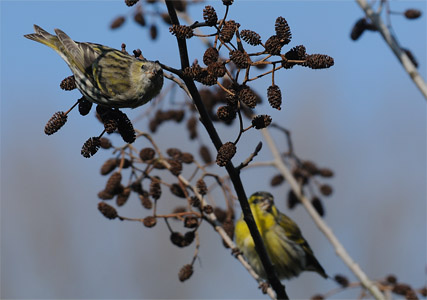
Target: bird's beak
<point>266,205</point>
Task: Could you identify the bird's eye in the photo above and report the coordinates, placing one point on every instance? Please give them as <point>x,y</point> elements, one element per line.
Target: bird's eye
<point>255,201</point>
<point>143,67</point>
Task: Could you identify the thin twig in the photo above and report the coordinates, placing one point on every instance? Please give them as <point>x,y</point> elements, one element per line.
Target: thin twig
<point>391,40</point>
<point>324,228</point>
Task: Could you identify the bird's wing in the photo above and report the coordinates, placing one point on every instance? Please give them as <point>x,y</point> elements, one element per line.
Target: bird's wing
<point>81,54</point>
<point>293,233</point>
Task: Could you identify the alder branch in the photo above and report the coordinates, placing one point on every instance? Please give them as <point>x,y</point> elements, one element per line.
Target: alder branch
<point>234,174</point>
<point>391,40</point>
<point>324,228</point>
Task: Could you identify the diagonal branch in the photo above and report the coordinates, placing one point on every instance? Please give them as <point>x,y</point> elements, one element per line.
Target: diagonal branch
<point>395,47</point>
<point>324,228</point>
<point>234,175</point>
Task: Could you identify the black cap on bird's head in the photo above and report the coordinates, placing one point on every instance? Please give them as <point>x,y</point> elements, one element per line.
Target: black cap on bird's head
<point>265,199</point>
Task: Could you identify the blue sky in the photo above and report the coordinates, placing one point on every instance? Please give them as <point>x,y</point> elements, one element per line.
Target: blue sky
<point>363,118</point>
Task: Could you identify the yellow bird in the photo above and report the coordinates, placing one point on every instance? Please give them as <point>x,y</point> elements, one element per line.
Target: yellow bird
<point>104,75</point>
<point>288,250</point>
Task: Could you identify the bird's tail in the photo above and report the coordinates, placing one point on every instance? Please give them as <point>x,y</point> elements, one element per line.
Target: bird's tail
<point>44,37</point>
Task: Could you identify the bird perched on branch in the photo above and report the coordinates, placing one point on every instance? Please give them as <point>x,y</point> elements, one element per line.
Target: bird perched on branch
<point>104,75</point>
<point>287,249</point>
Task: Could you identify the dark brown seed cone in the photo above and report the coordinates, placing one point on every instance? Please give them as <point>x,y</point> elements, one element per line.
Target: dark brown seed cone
<point>292,200</point>
<point>153,125</point>
<point>318,206</point>
<point>201,186</point>
<point>108,166</point>
<point>110,126</point>
<point>217,70</point>
<point>228,30</point>
<point>261,121</point>
<point>107,210</point>
<point>145,201</point>
<point>104,195</point>
<point>126,163</point>
<point>392,279</point>
<point>232,99</point>
<point>324,172</point>
<point>225,154</point>
<point>227,2</point>
<point>191,222</point>
<point>179,115</point>
<point>228,226</point>
<point>274,96</point>
<point>205,154</point>
<point>147,154</point>
<point>155,188</point>
<point>341,280</point>
<point>149,221</point>
<point>153,32</point>
<point>296,53</point>
<point>55,122</point>
<point>131,2</point>
<point>282,30</point>
<point>176,189</point>
<point>319,61</point>
<point>310,167</point>
<point>181,31</point>
<point>195,71</point>
<point>188,238</point>
<point>136,53</point>
<point>210,16</point>
<point>250,37</point>
<point>68,83</point>
<point>157,164</point>
<point>117,22</point>
<point>208,209</point>
<point>411,57</point>
<point>359,27</point>
<point>220,214</point>
<point>211,55</point>
<point>185,272</point>
<point>187,158</point>
<point>240,59</point>
<point>247,96</point>
<point>411,295</point>
<point>401,289</point>
<point>90,147</point>
<point>125,127</point>
<point>123,197</point>
<point>412,13</point>
<point>136,186</point>
<point>226,113</point>
<point>192,127</point>
<point>179,209</point>
<point>177,239</point>
<point>208,79</point>
<point>326,189</point>
<point>273,45</point>
<point>114,183</point>
<point>301,175</point>
<point>105,143</point>
<point>139,18</point>
<point>277,180</point>
<point>175,167</point>
<point>195,202</point>
<point>174,153</point>
<point>317,297</point>
<point>84,106</point>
